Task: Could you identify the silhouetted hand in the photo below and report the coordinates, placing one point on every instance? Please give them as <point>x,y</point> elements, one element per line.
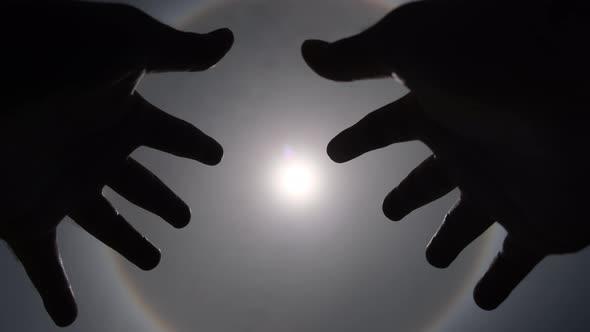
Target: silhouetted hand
<point>498,94</point>
<point>71,118</point>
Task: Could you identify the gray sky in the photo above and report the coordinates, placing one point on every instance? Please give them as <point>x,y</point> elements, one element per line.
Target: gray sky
<point>252,261</point>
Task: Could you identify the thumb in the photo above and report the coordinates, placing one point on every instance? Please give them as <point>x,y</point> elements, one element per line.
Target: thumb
<point>160,47</point>
<point>175,50</point>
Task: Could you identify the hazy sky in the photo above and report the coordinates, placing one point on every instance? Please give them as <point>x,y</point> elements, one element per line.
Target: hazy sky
<point>255,260</point>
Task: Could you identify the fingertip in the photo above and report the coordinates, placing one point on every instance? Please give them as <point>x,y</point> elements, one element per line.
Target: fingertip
<point>345,60</point>
<point>314,52</point>
<point>182,216</point>
<point>225,35</point>
<point>437,257</point>
<point>507,271</point>
<point>392,206</point>
<point>187,51</point>
<point>143,253</point>
<point>460,227</point>
<point>62,309</point>
<point>220,42</point>
<point>320,56</point>
<point>214,154</point>
<point>485,298</point>
<point>151,258</point>
<point>336,152</point>
<point>495,285</point>
<point>67,318</point>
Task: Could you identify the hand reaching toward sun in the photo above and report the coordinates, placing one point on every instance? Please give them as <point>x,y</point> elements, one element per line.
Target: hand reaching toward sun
<point>497,93</point>
<point>70,120</point>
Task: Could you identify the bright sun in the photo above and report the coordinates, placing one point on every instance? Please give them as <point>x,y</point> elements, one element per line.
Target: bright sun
<point>295,180</point>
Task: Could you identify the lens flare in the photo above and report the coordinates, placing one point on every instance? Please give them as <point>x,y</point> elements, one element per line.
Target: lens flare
<point>295,180</point>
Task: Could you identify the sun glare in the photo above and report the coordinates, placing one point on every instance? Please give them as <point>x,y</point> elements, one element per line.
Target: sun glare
<point>295,179</point>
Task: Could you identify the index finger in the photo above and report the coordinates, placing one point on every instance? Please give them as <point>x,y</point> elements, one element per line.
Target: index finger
<point>159,130</point>
<point>395,123</point>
